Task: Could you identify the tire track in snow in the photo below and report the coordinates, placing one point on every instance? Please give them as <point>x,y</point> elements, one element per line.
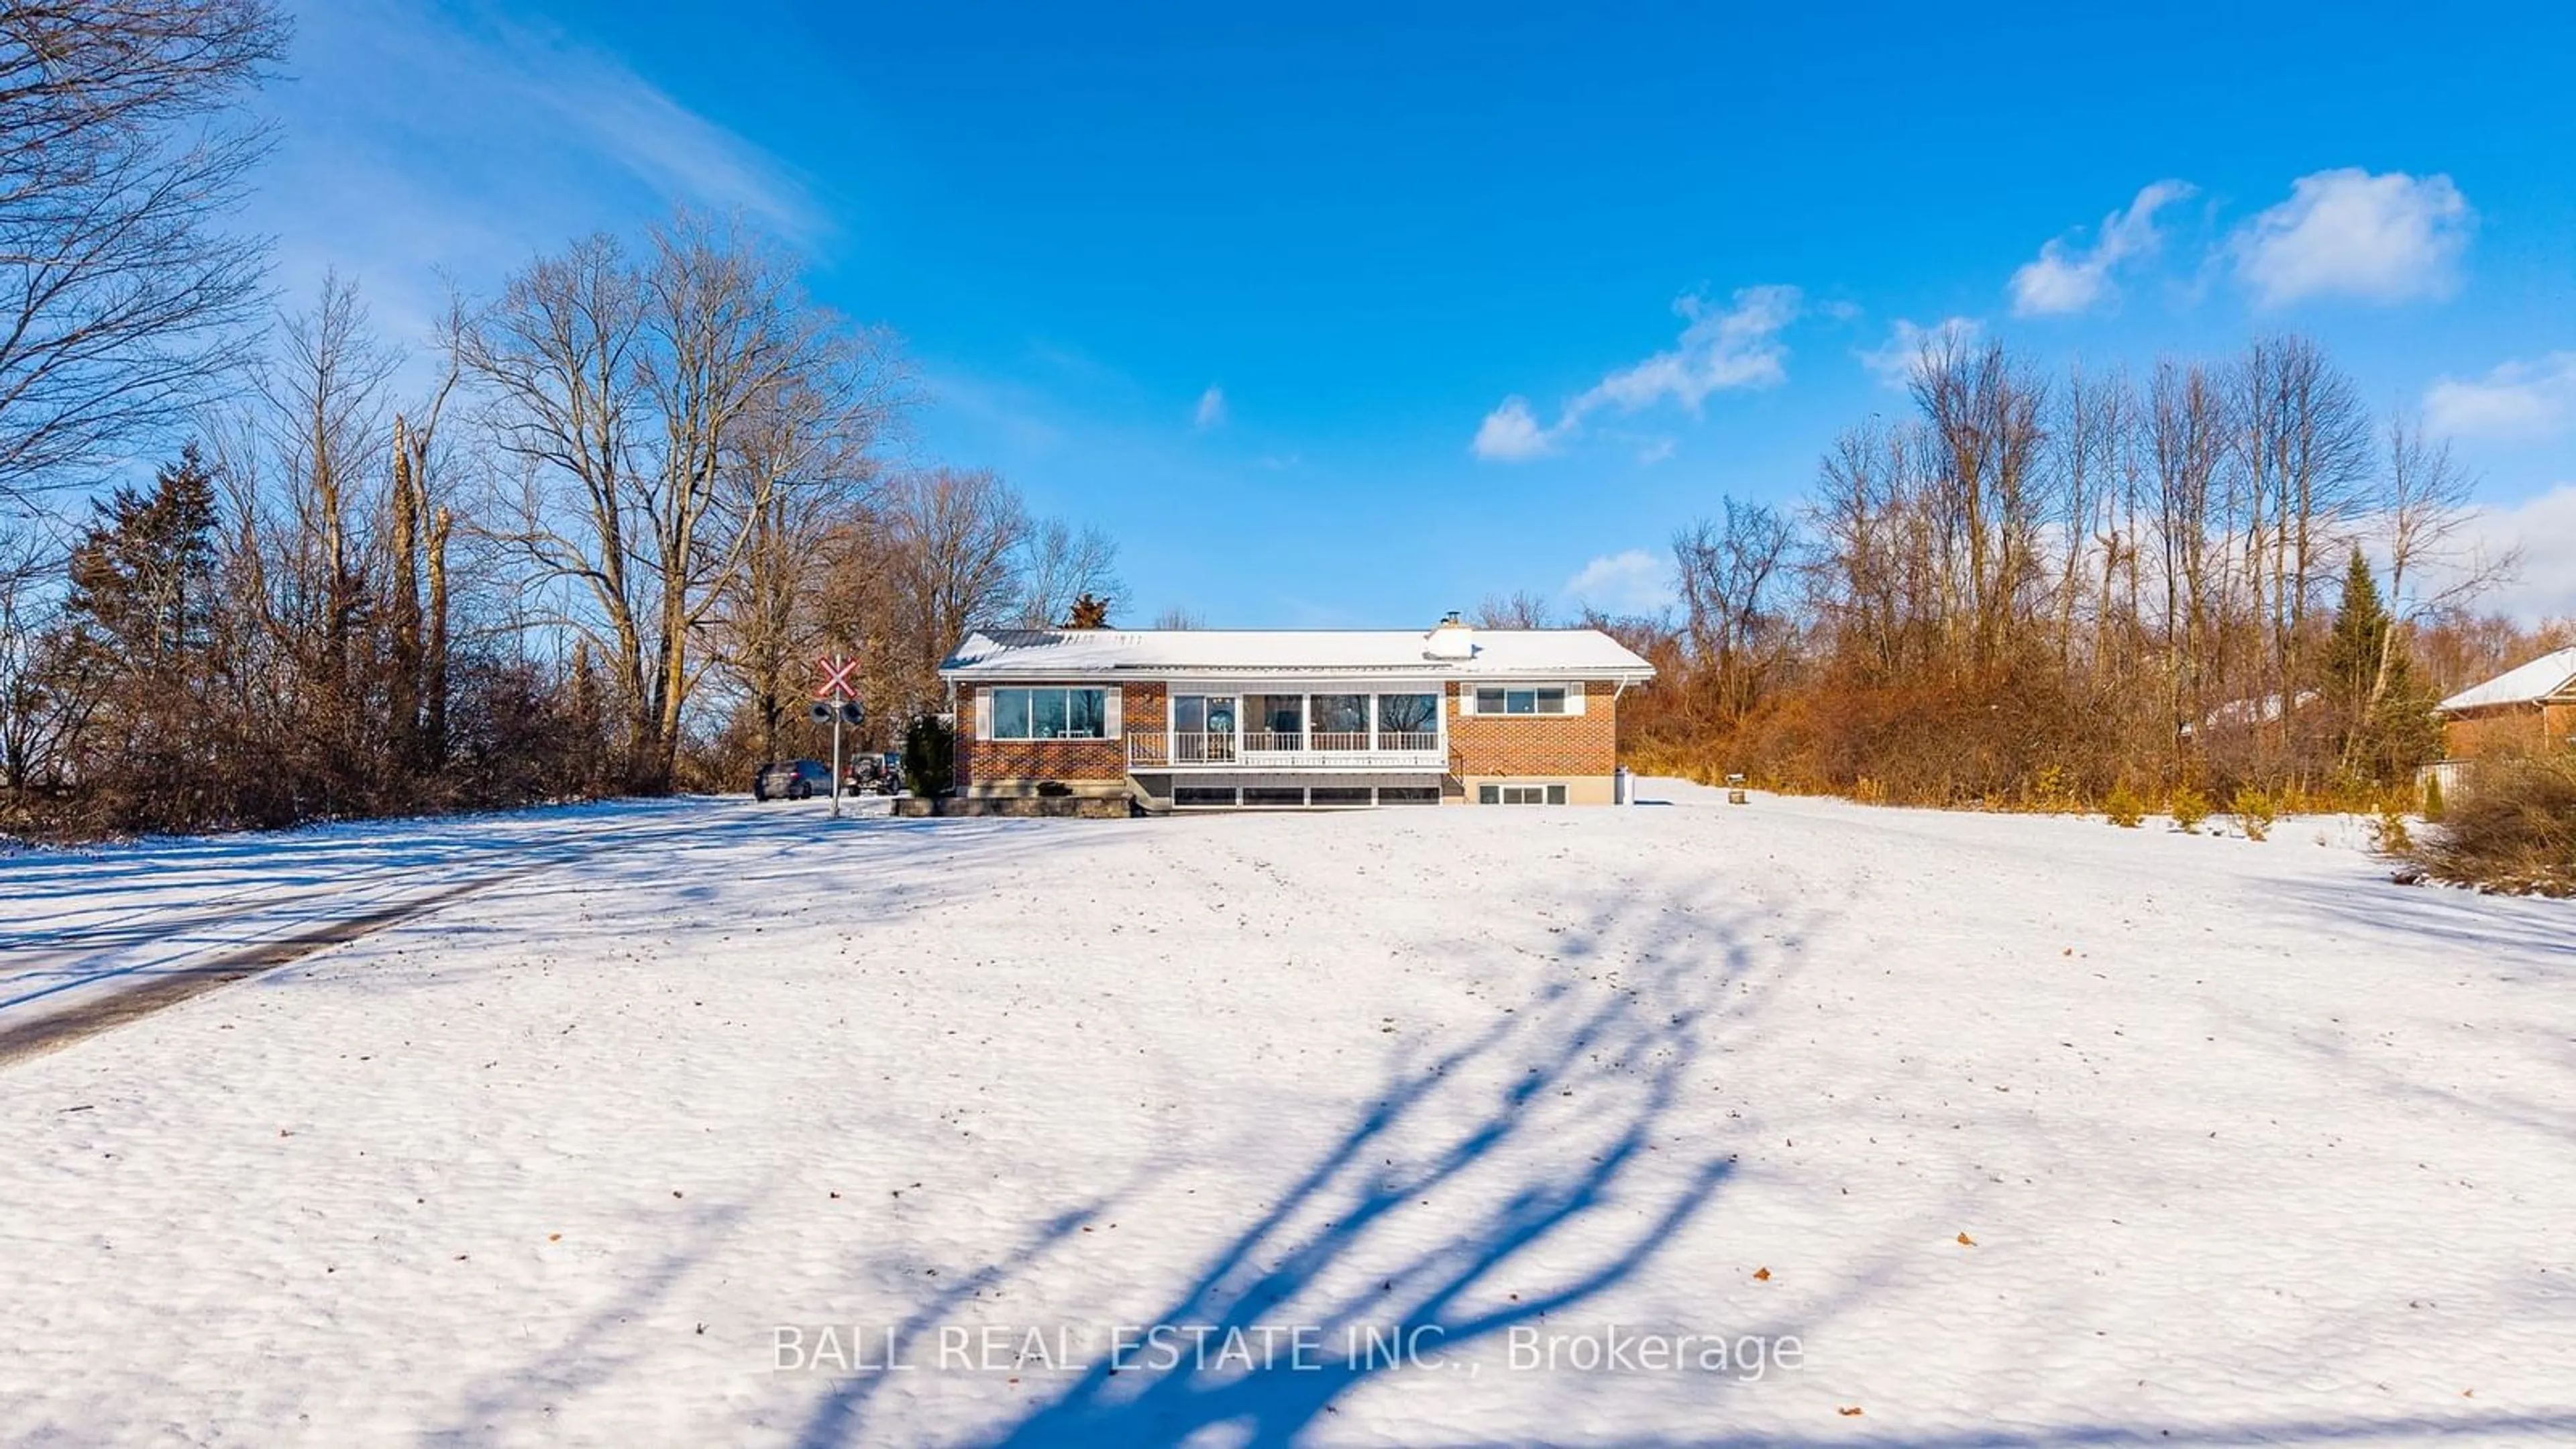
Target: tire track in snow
<point>166,989</point>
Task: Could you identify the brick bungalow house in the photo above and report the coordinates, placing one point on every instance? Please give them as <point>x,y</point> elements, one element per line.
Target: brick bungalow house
<point>2528,708</point>
<point>1221,718</point>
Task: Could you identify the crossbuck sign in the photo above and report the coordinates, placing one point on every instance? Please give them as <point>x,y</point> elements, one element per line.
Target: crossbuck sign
<point>840,685</point>
<point>840,677</point>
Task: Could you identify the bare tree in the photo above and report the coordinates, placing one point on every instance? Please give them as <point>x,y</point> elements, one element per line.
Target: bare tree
<point>2188,437</point>
<point>326,423</point>
<point>775,618</point>
<point>2304,462</point>
<point>1984,414</point>
<point>633,395</point>
<point>1860,578</point>
<point>419,522</point>
<point>1177,617</point>
<point>41,704</point>
<point>121,146</point>
<point>1732,574</point>
<point>954,540</point>
<point>1519,609</point>
<point>1058,565</point>
<point>2426,503</point>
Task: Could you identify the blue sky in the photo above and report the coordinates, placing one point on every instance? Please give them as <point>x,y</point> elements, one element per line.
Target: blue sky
<point>1355,318</point>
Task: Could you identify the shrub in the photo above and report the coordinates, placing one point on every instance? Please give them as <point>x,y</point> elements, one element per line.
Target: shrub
<point>2512,828</point>
<point>2433,805</point>
<point>2388,832</point>
<point>2188,807</point>
<point>2255,812</point>
<point>929,756</point>
<point>1868,791</point>
<point>2123,808</point>
<point>2053,791</point>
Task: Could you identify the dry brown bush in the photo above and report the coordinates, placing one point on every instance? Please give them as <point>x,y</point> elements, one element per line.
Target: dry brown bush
<point>2511,826</point>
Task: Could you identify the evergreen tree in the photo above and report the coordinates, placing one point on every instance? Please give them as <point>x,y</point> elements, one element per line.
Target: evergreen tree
<point>142,577</point>
<point>1090,611</point>
<point>137,649</point>
<point>2383,715</point>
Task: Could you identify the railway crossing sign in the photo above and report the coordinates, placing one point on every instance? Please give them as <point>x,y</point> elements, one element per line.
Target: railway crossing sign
<point>840,677</point>
<point>836,699</point>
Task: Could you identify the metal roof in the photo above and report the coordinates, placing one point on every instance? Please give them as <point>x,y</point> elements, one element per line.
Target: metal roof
<point>1491,653</point>
<point>2547,677</point>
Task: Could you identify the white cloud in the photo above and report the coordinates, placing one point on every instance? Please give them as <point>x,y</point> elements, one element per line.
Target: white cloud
<point>2517,399</point>
<point>1211,409</point>
<point>1656,450</point>
<point>2064,279</point>
<point>2389,238</point>
<point>1511,434</point>
<point>1634,581</point>
<point>1737,346</point>
<point>534,139</point>
<point>1895,361</point>
<point>2541,526</point>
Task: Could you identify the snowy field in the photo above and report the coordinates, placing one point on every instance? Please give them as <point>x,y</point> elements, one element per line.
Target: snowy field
<point>1946,1129</point>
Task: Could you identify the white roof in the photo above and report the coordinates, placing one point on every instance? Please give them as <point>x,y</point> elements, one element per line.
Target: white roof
<point>2546,677</point>
<point>1164,653</point>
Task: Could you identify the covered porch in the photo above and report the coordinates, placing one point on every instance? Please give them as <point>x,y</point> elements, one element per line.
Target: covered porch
<point>1333,728</point>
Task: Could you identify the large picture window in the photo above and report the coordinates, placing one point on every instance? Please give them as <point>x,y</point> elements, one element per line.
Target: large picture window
<point>1341,714</point>
<point>1408,714</point>
<point>1050,714</point>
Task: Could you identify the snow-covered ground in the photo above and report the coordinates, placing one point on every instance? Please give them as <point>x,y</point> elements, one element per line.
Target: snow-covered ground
<point>1971,1129</point>
<point>80,926</point>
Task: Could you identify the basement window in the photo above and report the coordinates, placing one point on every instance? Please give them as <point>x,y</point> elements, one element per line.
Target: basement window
<point>1520,794</point>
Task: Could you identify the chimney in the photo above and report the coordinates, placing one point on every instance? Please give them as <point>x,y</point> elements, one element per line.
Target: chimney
<point>1450,639</point>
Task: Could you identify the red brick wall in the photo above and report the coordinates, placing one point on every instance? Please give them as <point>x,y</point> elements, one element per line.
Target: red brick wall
<point>1143,708</point>
<point>1531,744</point>
<point>1140,706</point>
<point>2509,732</point>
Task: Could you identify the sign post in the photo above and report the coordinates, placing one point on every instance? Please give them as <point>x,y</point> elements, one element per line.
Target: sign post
<point>838,695</point>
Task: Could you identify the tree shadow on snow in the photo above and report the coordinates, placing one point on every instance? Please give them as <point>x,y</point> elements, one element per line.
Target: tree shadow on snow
<point>1490,1185</point>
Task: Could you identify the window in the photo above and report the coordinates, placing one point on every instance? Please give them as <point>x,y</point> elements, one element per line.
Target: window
<point>1556,794</point>
<point>1520,794</point>
<point>1278,721</point>
<point>1408,714</point>
<point>1496,700</point>
<point>1050,714</point>
<point>1265,795</point>
<point>1408,794</point>
<point>1199,795</point>
<point>1337,795</point>
<point>1341,714</point>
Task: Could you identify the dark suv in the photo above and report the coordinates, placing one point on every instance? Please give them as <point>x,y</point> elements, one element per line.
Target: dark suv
<point>792,779</point>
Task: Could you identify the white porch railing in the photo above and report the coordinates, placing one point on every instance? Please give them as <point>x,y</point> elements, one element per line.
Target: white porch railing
<point>1286,750</point>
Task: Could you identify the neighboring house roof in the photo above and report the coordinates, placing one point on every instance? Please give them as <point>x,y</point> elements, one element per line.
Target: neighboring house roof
<point>2551,676</point>
<point>2238,713</point>
<point>1166,653</point>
